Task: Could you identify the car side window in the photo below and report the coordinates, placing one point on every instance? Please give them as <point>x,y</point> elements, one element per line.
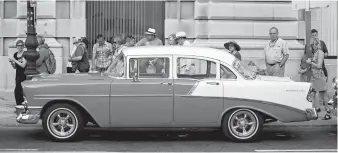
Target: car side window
<point>195,68</point>
<point>156,67</point>
<point>226,73</point>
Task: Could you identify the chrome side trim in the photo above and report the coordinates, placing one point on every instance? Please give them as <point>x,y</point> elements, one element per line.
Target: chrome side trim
<point>136,95</point>
<point>56,95</point>
<point>29,116</point>
<point>144,95</point>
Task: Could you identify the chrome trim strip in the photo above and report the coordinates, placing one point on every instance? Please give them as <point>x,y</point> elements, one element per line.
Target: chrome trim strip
<point>140,95</point>
<point>29,107</point>
<point>191,96</point>
<point>144,95</point>
<point>70,95</point>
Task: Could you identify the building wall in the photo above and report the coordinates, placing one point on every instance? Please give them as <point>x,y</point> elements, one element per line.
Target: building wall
<point>213,22</point>
<point>59,21</point>
<point>207,23</point>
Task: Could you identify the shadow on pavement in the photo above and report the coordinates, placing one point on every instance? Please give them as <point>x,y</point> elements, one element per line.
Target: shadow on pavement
<point>108,135</point>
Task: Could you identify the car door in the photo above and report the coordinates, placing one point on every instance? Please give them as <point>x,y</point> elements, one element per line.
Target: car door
<point>146,100</point>
<point>198,92</point>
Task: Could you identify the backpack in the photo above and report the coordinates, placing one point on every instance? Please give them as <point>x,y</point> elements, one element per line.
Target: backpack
<point>51,63</point>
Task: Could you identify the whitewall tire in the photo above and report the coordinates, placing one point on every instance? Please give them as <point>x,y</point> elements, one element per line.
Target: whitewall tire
<point>242,125</point>
<point>63,122</point>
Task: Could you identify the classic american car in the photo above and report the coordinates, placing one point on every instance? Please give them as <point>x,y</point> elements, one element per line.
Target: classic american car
<point>166,87</point>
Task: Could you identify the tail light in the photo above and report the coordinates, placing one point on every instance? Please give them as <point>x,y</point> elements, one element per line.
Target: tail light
<point>310,94</point>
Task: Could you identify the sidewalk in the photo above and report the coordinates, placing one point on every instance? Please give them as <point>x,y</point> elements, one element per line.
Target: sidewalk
<point>8,118</point>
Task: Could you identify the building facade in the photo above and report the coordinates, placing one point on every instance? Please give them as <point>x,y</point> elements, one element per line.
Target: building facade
<point>206,22</point>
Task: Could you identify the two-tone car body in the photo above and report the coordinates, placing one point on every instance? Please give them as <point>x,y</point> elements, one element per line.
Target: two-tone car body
<point>166,87</point>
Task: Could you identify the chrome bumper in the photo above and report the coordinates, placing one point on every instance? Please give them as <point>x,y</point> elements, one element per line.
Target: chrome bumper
<point>311,114</point>
<point>27,115</point>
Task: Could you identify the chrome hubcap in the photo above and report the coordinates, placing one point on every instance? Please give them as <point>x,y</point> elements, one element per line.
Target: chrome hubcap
<point>243,124</point>
<point>62,123</point>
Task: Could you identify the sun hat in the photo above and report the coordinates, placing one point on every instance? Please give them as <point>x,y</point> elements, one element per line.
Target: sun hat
<point>151,31</point>
<point>237,47</point>
<point>180,34</point>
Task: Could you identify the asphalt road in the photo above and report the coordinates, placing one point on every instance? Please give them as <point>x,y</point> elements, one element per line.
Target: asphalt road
<point>274,138</point>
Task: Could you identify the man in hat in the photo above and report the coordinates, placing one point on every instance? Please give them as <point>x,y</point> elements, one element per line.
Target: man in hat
<point>276,54</point>
<point>181,38</point>
<point>234,49</point>
<point>150,39</point>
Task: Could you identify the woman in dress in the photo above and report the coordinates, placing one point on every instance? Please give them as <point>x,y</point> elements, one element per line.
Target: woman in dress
<point>19,64</point>
<point>116,69</point>
<point>318,79</point>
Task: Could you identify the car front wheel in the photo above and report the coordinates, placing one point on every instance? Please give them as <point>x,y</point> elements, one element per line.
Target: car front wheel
<point>242,125</point>
<point>63,122</point>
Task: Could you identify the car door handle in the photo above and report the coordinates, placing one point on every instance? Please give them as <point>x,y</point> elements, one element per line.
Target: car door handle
<point>213,83</point>
<point>169,83</point>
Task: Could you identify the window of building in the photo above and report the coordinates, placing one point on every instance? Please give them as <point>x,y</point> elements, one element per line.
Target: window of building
<point>10,8</point>
<point>156,67</point>
<point>62,9</point>
<point>226,73</point>
<point>195,68</point>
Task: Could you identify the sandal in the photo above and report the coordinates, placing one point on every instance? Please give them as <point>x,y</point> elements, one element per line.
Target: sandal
<point>327,117</point>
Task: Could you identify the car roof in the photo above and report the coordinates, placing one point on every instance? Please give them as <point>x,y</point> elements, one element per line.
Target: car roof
<point>180,50</point>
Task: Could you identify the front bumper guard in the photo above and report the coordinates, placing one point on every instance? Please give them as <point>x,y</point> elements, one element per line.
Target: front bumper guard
<point>27,114</point>
<point>311,114</point>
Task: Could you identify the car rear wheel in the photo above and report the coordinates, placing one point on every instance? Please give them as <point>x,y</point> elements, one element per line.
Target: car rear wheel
<point>63,122</point>
<point>242,125</point>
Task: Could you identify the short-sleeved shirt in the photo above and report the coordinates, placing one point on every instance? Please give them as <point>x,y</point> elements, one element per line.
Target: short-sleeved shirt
<point>146,42</point>
<point>274,53</point>
<point>102,54</point>
<point>82,65</point>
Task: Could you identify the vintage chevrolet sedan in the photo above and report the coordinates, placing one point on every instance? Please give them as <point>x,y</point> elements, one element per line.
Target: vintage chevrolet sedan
<point>166,87</point>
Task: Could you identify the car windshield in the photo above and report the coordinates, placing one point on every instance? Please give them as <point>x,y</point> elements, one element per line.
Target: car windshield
<point>244,70</point>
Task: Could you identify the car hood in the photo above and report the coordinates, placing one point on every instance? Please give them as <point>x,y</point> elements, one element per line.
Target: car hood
<point>274,78</point>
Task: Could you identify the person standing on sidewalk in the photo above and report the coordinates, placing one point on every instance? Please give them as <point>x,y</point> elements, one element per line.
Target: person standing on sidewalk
<point>44,55</point>
<point>19,64</point>
<point>276,54</point>
<point>314,35</point>
<point>102,54</point>
<point>318,78</point>
<point>234,49</point>
<point>79,58</point>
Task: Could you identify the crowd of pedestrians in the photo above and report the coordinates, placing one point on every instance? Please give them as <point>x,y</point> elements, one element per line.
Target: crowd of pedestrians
<point>107,58</point>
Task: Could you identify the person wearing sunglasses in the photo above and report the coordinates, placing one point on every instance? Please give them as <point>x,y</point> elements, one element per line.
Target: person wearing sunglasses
<point>18,62</point>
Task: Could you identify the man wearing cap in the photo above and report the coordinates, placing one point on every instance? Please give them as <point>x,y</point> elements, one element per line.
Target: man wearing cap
<point>276,54</point>
<point>187,66</point>
<point>150,39</point>
<point>181,38</point>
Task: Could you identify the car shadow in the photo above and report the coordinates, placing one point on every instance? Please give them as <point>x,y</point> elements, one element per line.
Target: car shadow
<point>113,135</point>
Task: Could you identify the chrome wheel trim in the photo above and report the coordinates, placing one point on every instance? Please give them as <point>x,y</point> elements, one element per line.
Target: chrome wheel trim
<point>62,123</point>
<point>243,124</point>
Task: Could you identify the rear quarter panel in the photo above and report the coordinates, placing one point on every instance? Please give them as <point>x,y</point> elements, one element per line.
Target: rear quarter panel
<point>286,101</point>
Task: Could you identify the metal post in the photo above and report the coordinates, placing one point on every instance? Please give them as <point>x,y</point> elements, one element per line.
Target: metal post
<point>308,37</point>
<point>31,55</point>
